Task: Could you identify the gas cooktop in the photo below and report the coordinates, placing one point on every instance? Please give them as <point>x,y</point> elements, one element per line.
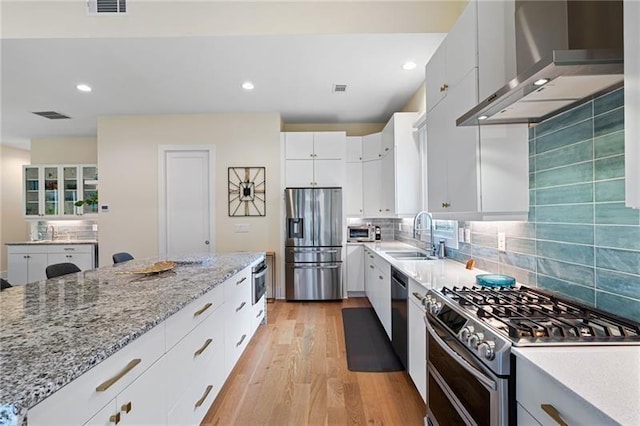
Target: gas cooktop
<point>528,316</point>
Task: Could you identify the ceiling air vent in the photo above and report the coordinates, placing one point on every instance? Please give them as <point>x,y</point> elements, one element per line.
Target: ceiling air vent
<point>339,88</point>
<point>51,115</point>
<point>106,6</point>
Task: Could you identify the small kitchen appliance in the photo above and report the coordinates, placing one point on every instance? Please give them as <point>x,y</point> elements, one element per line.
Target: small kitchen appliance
<point>360,233</point>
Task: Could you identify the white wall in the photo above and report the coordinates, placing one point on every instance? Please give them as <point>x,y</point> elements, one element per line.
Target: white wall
<point>13,227</point>
<point>128,164</point>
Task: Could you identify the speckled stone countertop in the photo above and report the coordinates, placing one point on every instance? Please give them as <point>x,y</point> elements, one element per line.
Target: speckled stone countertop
<point>55,330</point>
<point>50,242</point>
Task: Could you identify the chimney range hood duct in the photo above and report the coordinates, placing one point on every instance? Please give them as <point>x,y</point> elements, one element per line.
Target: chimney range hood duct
<point>567,52</point>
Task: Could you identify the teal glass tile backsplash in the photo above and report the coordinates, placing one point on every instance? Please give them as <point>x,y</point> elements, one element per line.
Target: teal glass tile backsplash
<point>580,241</point>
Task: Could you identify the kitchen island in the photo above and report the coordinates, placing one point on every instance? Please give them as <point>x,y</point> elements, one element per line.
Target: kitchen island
<point>54,331</point>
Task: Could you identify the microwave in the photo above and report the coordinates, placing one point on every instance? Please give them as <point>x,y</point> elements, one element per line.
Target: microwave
<point>360,233</point>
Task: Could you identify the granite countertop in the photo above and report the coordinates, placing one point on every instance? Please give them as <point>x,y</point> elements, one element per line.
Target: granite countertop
<point>55,330</point>
<point>51,242</point>
<point>607,377</point>
<point>429,273</point>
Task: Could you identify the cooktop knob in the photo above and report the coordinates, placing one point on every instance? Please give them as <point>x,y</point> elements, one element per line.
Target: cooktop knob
<point>487,350</point>
<point>435,307</point>
<point>466,332</point>
<point>474,340</point>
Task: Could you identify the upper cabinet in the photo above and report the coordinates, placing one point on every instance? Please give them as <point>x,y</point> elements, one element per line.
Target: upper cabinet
<point>455,57</point>
<point>474,172</point>
<point>314,159</point>
<point>353,181</point>
<point>51,191</point>
<point>372,147</point>
<point>632,101</point>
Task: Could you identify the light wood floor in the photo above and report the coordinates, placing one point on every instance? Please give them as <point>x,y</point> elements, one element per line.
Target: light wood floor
<point>294,372</point>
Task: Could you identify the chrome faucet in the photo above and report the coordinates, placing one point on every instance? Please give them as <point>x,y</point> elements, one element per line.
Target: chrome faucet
<point>53,232</point>
<point>417,230</point>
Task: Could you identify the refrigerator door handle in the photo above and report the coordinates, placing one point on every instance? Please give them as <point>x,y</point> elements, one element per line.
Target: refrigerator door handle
<point>314,251</point>
<point>296,228</point>
<point>316,266</point>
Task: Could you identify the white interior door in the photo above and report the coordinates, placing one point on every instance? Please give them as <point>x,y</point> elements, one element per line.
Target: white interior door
<point>186,201</point>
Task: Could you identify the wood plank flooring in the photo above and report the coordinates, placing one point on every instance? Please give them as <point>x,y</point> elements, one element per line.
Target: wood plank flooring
<point>294,372</point>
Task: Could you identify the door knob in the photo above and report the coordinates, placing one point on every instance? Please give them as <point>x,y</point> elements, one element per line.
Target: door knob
<point>207,242</point>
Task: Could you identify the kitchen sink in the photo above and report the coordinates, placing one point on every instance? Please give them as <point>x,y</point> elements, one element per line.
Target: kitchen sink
<point>411,255</point>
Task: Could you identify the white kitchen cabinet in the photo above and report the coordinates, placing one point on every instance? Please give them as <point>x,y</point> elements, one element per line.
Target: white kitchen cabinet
<point>315,159</point>
<point>51,191</point>
<point>417,356</point>
<point>355,267</point>
<point>354,149</point>
<point>371,188</point>
<point>237,319</point>
<point>454,58</point>
<point>632,102</point>
<point>476,172</point>
<point>542,398</point>
<point>388,187</point>
<point>353,194</point>
<point>372,147</point>
<point>27,263</point>
<point>378,287</point>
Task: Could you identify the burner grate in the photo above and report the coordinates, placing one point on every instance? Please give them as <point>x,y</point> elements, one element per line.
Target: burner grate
<point>533,315</point>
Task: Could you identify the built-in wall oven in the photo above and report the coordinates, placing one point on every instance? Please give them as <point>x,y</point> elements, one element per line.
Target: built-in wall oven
<point>258,281</point>
<point>470,331</point>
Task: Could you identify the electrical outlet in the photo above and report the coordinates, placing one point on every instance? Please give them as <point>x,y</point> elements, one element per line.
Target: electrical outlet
<point>461,235</point>
<point>94,227</point>
<point>467,235</point>
<point>502,242</point>
<point>400,227</point>
<point>241,228</point>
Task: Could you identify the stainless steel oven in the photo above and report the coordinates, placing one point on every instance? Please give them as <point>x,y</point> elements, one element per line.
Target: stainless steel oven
<point>258,281</point>
<point>460,389</point>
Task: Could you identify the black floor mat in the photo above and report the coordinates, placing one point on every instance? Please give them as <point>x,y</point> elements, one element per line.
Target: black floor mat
<point>368,347</point>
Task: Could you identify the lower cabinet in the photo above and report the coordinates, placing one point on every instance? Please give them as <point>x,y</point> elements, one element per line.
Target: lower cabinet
<point>417,343</point>
<point>26,267</point>
<point>355,267</point>
<point>171,374</point>
<point>378,287</point>
<point>27,263</point>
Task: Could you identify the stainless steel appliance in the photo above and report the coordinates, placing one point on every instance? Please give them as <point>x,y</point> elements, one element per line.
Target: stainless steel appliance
<point>360,233</point>
<point>470,330</point>
<point>399,314</point>
<point>313,245</point>
<point>258,281</point>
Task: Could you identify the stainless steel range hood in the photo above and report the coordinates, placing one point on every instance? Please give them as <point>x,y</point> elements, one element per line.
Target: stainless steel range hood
<point>567,52</point>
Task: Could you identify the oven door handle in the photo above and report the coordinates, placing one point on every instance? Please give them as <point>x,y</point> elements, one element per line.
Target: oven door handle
<point>453,354</point>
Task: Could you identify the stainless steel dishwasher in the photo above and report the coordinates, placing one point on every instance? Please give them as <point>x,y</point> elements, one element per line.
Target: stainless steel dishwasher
<point>399,316</point>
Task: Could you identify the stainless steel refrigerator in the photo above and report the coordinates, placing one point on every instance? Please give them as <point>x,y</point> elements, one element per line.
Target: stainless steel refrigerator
<point>313,244</point>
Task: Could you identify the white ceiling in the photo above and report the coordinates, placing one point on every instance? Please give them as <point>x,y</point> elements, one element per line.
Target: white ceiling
<point>293,75</point>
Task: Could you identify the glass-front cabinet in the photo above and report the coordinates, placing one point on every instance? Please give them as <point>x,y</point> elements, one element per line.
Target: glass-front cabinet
<point>60,190</point>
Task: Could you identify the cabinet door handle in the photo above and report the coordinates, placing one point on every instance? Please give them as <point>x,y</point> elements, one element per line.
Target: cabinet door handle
<point>241,306</point>
<point>115,418</point>
<point>203,348</point>
<point>204,397</point>
<point>381,277</point>
<point>201,311</point>
<point>554,414</point>
<point>444,87</point>
<point>371,266</point>
<point>241,340</point>
<point>126,407</point>
<point>108,383</point>
<point>386,149</point>
<point>260,313</point>
<point>446,205</point>
<point>241,281</point>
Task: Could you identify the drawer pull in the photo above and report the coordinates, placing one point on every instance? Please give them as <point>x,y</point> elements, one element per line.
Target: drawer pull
<point>381,277</point>
<point>241,306</point>
<point>204,308</point>
<point>115,418</point>
<point>554,414</point>
<point>241,340</point>
<point>260,313</point>
<point>69,249</point>
<point>204,397</point>
<point>126,407</point>
<point>202,349</point>
<point>107,384</point>
<point>241,281</point>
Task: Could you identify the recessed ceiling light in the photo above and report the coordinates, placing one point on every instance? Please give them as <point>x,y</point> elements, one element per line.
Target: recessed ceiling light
<point>83,87</point>
<point>482,117</point>
<point>408,65</point>
<point>247,85</point>
<point>541,82</point>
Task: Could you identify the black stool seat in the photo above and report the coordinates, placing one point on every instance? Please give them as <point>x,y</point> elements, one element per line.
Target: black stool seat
<point>122,257</point>
<point>59,269</point>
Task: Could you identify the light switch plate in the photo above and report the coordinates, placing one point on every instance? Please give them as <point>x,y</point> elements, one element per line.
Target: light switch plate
<point>241,227</point>
<point>461,235</point>
<point>502,242</point>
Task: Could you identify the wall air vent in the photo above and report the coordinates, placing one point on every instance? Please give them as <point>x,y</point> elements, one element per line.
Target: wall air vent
<point>106,6</point>
<point>339,88</point>
<point>52,115</point>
